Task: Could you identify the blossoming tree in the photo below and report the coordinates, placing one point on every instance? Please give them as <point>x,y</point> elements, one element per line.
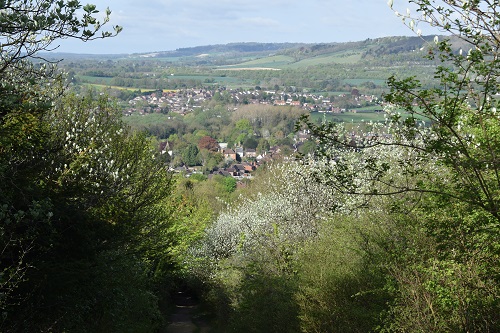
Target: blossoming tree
<point>440,143</point>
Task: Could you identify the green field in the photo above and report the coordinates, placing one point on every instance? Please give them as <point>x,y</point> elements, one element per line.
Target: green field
<point>145,121</point>
<point>105,86</point>
<point>361,116</point>
<point>338,58</point>
<point>369,108</point>
<point>277,62</point>
<point>95,79</point>
<point>216,78</point>
<point>349,117</point>
<point>378,82</point>
<point>230,81</point>
<point>283,61</point>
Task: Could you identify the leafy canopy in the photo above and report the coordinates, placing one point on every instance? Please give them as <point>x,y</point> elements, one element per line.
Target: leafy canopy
<point>27,27</point>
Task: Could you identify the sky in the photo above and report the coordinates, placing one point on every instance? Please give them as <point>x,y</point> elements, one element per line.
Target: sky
<point>165,25</point>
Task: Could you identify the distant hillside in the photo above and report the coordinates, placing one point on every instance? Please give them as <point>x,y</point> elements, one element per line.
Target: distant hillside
<point>307,55</point>
<point>296,55</point>
<point>228,48</point>
<point>384,45</point>
<point>234,53</point>
<point>378,47</point>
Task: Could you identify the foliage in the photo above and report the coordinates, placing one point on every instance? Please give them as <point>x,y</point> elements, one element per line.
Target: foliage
<point>308,147</point>
<point>260,119</point>
<point>266,304</point>
<point>208,143</point>
<point>463,109</point>
<point>321,270</point>
<point>258,240</point>
<point>341,275</point>
<point>97,192</point>
<point>263,146</point>
<point>191,213</point>
<point>270,222</point>
<point>228,184</point>
<point>82,200</point>
<point>190,155</point>
<point>250,142</point>
<point>27,27</point>
<point>446,280</point>
<point>390,227</point>
<point>445,167</point>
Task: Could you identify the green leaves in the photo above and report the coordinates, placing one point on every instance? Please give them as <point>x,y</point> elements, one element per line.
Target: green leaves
<point>33,26</point>
<point>78,192</point>
<point>90,9</point>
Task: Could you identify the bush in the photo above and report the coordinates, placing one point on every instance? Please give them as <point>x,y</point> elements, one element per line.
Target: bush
<point>340,278</point>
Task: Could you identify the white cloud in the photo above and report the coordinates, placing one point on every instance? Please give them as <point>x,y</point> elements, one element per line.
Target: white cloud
<point>166,24</point>
<point>258,21</point>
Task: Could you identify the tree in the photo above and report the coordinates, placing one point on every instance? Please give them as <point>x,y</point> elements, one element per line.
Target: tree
<point>208,143</point>
<point>250,142</point>
<point>27,27</point>
<point>229,184</point>
<point>263,146</point>
<point>308,147</point>
<point>460,112</point>
<point>250,249</point>
<point>89,188</point>
<point>462,109</point>
<point>79,203</point>
<point>190,155</point>
<point>439,150</point>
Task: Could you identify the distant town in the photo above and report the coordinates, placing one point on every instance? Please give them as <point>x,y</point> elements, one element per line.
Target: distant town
<point>186,100</point>
<point>240,163</point>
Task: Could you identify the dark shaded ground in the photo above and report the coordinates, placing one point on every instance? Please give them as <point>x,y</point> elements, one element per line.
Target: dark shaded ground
<point>182,320</point>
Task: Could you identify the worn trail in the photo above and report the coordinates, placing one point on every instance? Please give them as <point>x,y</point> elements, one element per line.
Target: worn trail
<point>181,321</point>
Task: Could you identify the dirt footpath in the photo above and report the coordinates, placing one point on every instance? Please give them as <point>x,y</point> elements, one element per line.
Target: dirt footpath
<point>181,321</point>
